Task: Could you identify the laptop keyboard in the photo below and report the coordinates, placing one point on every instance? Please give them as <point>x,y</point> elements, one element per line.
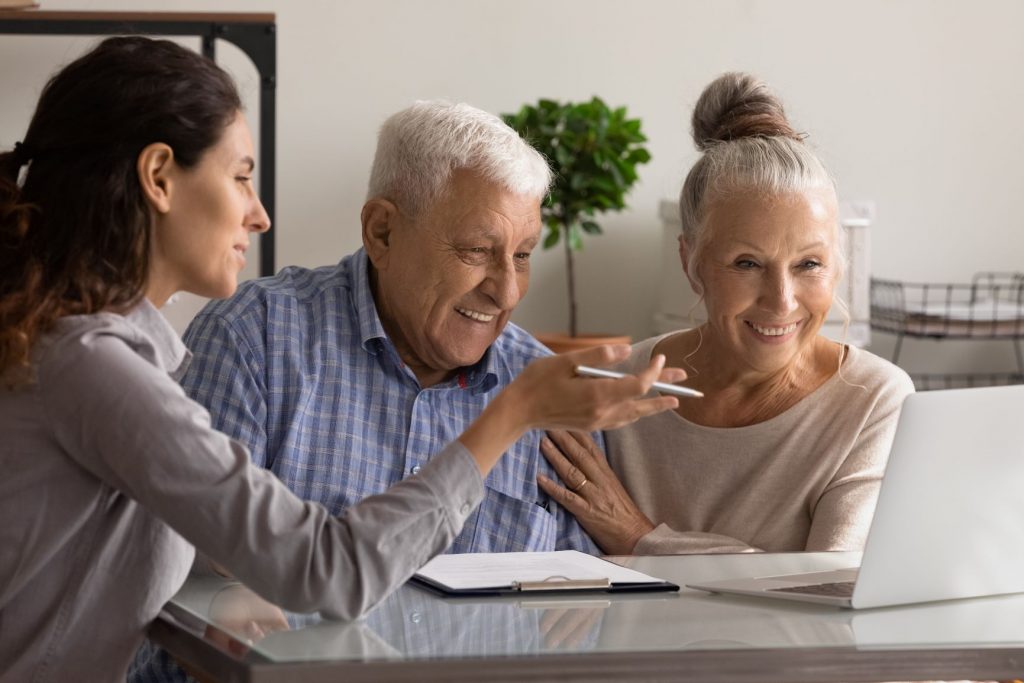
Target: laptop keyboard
<point>841,589</point>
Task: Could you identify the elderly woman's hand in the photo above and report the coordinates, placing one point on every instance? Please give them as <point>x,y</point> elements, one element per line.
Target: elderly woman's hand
<point>592,492</point>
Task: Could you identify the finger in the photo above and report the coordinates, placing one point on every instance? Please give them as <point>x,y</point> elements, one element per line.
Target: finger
<point>561,495</point>
<point>557,435</point>
<point>590,453</point>
<point>650,374</point>
<point>549,619</point>
<point>671,375</point>
<point>653,406</point>
<point>561,629</point>
<point>573,449</point>
<point>553,454</point>
<point>278,622</point>
<point>588,619</point>
<point>582,452</point>
<point>564,467</point>
<point>631,386</point>
<point>599,356</point>
<point>588,444</point>
<point>254,631</point>
<point>639,409</point>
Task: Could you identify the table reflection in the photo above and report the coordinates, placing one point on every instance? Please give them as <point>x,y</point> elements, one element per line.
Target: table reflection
<point>411,623</point>
<point>415,624</point>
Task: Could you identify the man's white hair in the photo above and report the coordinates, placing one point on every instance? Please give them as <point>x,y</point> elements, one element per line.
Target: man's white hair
<point>420,147</point>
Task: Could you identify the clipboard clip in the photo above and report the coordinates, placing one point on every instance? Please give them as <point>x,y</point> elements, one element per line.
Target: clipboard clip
<point>557,583</point>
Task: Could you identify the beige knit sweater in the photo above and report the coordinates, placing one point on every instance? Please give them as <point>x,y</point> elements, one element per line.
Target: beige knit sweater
<point>804,480</point>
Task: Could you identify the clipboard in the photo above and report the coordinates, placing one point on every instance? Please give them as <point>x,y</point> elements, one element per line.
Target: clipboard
<point>563,572</point>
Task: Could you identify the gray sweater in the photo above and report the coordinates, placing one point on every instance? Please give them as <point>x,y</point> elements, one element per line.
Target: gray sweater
<point>111,475</point>
<point>806,479</point>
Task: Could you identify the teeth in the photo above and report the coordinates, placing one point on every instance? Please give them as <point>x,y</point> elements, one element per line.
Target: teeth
<point>774,331</point>
<point>475,315</point>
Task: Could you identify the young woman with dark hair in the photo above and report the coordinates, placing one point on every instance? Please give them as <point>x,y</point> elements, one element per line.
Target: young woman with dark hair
<point>134,181</point>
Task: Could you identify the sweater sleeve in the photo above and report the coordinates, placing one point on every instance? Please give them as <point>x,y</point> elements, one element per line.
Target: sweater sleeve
<point>843,513</point>
<point>664,540</point>
<point>129,424</point>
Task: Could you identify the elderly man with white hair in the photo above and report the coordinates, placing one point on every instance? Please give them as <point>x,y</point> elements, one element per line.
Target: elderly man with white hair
<point>345,379</point>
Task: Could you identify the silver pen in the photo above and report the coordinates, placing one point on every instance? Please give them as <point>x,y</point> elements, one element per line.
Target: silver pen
<point>660,386</point>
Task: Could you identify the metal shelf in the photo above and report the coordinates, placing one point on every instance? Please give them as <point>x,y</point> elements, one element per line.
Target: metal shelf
<point>990,307</point>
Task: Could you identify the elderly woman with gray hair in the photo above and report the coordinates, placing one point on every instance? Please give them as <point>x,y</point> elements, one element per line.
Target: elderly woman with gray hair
<point>786,450</point>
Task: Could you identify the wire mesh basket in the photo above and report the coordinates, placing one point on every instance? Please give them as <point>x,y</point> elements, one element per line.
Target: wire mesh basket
<point>990,307</point>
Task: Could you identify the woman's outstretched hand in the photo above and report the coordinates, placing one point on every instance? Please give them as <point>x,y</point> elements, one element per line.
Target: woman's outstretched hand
<point>560,399</point>
<point>549,394</point>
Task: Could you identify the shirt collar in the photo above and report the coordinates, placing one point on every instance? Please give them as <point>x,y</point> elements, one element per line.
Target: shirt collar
<point>371,330</point>
<point>170,353</point>
<point>480,377</point>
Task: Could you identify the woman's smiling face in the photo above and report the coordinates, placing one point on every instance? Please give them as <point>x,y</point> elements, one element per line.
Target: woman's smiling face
<point>769,270</point>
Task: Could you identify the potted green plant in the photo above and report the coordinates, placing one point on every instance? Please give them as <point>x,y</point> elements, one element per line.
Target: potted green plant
<point>594,152</point>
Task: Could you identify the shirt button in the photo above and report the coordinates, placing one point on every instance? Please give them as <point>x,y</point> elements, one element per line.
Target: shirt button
<point>415,469</point>
<point>464,509</point>
<point>415,617</point>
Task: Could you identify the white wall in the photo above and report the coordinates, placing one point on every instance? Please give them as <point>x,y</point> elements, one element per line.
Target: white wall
<point>916,104</point>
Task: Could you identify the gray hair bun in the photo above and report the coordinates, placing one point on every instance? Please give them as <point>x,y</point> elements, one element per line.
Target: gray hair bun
<point>737,105</point>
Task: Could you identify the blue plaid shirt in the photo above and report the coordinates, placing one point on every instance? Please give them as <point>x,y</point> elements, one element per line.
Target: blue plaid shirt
<point>298,367</point>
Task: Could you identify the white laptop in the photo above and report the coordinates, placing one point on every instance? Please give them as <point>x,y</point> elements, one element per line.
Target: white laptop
<point>950,516</point>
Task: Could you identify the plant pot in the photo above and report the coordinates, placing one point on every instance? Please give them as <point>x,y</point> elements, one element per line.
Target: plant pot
<point>559,342</point>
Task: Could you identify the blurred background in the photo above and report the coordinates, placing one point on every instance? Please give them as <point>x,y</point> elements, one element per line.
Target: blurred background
<point>915,105</point>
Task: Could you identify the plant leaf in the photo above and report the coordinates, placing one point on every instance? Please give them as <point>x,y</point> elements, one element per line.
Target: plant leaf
<point>639,155</point>
<point>575,238</point>
<point>593,151</point>
<point>552,237</point>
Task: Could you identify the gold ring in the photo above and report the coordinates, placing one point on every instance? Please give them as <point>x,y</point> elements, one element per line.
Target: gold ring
<point>576,488</point>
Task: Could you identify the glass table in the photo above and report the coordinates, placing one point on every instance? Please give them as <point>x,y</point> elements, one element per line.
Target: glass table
<point>225,632</point>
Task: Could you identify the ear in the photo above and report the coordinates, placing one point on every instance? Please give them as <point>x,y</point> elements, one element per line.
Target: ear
<point>379,218</point>
<point>154,167</point>
<point>684,258</point>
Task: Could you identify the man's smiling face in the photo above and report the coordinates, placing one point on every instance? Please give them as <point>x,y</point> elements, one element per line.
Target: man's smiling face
<point>454,274</point>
